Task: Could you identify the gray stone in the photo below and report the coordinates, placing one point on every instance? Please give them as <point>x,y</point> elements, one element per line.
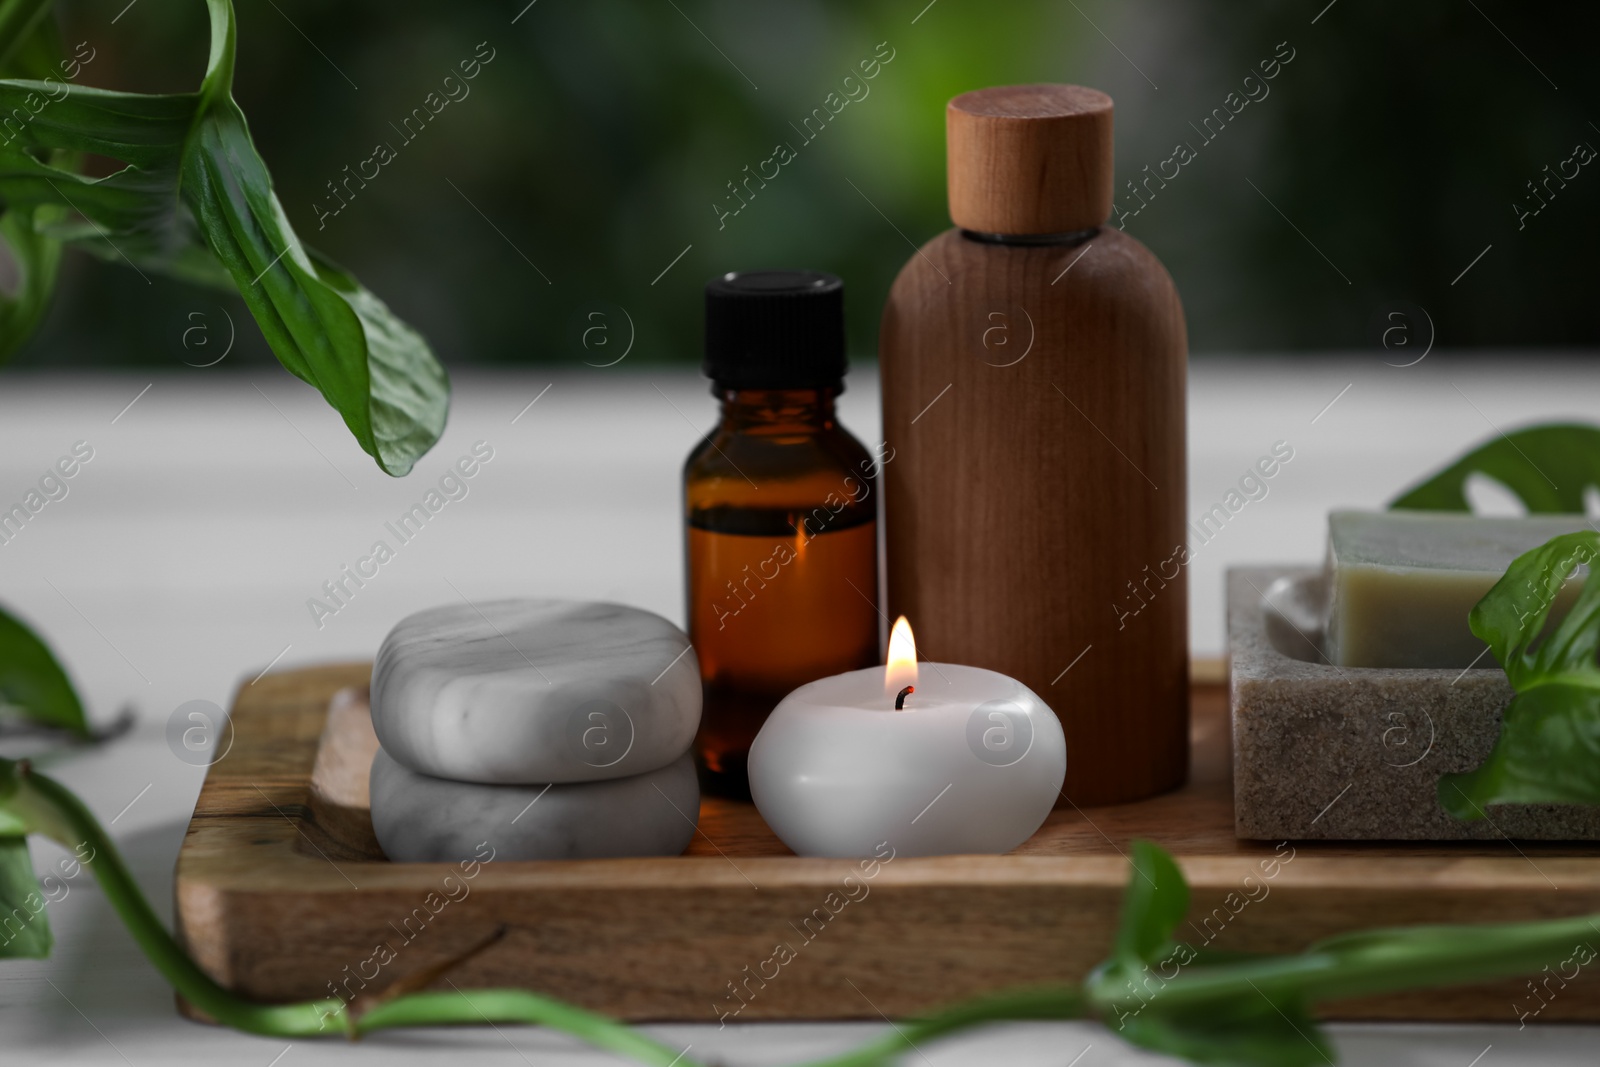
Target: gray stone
<point>418,819</point>
<point>1355,753</point>
<point>535,691</point>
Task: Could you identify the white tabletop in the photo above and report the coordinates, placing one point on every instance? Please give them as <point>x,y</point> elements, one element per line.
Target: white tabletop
<point>181,560</point>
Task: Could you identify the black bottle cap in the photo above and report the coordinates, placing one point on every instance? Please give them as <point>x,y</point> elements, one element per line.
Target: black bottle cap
<point>775,329</point>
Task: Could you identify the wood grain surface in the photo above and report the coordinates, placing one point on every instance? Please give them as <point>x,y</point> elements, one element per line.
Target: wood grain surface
<point>1034,510</point>
<point>1026,159</point>
<point>282,894</point>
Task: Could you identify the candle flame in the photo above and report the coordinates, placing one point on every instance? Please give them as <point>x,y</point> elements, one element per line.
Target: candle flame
<point>901,668</point>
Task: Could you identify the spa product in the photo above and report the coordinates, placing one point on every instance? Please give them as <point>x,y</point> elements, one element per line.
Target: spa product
<point>1402,583</point>
<point>1033,366</point>
<point>535,691</point>
<point>929,758</point>
<point>418,819</point>
<point>1333,753</point>
<point>780,511</point>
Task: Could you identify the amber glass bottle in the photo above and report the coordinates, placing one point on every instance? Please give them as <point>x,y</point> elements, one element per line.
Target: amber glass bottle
<point>780,504</point>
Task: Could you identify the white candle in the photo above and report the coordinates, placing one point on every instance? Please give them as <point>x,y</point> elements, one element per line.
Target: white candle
<point>971,763</point>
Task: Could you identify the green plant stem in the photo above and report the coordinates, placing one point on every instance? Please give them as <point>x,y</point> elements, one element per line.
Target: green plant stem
<point>1037,1003</point>
<point>1355,965</point>
<point>1367,964</point>
<point>47,807</point>
<point>520,1006</point>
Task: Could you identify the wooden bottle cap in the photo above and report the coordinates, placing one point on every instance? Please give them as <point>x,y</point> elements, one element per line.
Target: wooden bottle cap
<point>1029,159</point>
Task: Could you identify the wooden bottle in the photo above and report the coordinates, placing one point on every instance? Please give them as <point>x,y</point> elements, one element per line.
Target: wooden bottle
<point>1033,366</point>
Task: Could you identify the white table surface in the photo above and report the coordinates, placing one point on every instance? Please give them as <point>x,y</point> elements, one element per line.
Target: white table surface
<point>182,558</point>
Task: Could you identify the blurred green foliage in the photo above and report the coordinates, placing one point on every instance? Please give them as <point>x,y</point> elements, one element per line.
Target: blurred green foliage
<point>591,150</point>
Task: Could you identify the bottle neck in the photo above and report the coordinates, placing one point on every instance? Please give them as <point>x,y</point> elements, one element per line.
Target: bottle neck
<point>1076,237</point>
<point>777,410</point>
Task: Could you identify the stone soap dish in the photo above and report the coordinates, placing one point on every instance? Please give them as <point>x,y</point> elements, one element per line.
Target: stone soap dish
<point>1355,753</point>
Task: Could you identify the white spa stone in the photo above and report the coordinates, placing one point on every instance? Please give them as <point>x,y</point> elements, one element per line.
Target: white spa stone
<point>418,819</point>
<point>1402,583</point>
<point>535,691</point>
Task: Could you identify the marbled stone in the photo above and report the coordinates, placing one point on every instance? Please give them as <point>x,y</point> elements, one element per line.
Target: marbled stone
<point>535,691</point>
<point>418,819</point>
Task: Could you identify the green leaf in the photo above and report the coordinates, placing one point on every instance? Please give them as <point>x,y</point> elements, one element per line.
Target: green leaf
<point>1548,751</point>
<point>1239,1023</point>
<point>327,330</point>
<point>1239,1029</point>
<point>36,260</point>
<point>1547,467</point>
<point>136,128</point>
<point>196,201</point>
<point>32,682</point>
<point>133,216</point>
<point>24,927</point>
<point>28,45</point>
<point>1156,901</point>
<point>1513,614</point>
<point>130,202</point>
<point>21,24</point>
<point>375,370</point>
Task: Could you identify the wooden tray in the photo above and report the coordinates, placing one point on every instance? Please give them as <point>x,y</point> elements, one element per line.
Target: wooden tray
<point>282,894</point>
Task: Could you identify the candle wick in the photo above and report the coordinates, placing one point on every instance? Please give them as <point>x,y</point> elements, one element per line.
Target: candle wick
<point>900,698</point>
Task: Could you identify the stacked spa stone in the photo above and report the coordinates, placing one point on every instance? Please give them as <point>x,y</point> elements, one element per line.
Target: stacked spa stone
<point>549,729</point>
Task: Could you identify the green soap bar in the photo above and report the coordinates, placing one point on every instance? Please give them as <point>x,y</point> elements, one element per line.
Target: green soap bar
<point>1401,583</point>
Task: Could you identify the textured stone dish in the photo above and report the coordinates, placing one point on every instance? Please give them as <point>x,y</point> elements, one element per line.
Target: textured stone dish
<point>535,691</point>
<point>418,819</point>
<point>1354,753</point>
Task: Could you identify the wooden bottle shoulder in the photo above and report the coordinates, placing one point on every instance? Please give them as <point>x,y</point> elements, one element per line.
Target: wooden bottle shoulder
<point>1034,402</point>
<point>1109,291</point>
